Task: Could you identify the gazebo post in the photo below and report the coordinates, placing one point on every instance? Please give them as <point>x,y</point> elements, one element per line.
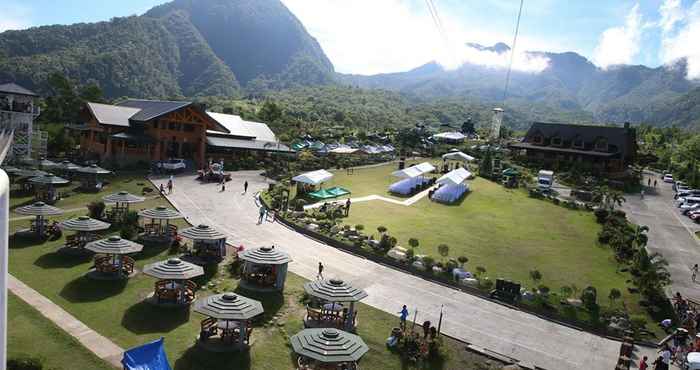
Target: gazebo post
<point>243,329</point>
<point>349,319</point>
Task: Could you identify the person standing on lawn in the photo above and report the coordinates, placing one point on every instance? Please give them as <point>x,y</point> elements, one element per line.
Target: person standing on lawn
<point>404,316</point>
<point>347,208</point>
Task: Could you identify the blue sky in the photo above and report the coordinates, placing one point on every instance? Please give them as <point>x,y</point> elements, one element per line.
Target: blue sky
<point>373,36</point>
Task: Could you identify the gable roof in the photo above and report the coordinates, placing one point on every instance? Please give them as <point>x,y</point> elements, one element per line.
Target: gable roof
<point>234,124</point>
<point>111,114</point>
<point>261,131</point>
<point>150,109</point>
<point>13,88</point>
<point>616,136</point>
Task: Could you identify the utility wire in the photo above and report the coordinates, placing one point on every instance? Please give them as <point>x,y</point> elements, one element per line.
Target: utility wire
<point>512,51</point>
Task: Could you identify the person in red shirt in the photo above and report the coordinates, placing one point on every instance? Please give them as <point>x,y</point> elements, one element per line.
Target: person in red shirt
<point>643,364</point>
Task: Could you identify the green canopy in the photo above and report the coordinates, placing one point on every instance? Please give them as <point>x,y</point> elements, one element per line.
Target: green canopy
<point>338,191</point>
<point>510,172</point>
<point>322,194</point>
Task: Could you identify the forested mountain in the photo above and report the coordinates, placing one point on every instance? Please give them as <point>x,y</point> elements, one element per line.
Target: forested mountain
<point>570,83</point>
<point>182,48</point>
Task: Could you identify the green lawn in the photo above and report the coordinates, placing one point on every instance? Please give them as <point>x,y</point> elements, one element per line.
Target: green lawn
<point>30,333</point>
<point>504,231</point>
<point>116,311</point>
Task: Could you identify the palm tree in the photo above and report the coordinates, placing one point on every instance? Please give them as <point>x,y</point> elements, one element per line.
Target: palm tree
<point>615,197</point>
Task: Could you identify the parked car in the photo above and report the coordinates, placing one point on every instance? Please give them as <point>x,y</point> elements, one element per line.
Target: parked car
<point>668,178</point>
<point>687,193</point>
<point>175,164</point>
<point>694,207</point>
<point>695,216</point>
<point>679,185</point>
<point>688,202</point>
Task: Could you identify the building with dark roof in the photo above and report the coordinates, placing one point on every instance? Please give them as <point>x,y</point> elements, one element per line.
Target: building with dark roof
<point>607,149</point>
<point>18,110</point>
<point>158,130</point>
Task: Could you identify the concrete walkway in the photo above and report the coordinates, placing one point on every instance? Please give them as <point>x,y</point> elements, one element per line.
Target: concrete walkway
<point>96,343</point>
<point>519,335</point>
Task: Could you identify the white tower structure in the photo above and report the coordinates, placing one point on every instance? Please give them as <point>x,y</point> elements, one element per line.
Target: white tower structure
<point>496,124</point>
<point>17,113</point>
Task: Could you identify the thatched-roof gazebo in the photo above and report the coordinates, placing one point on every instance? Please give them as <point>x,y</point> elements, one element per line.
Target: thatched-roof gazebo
<point>264,268</point>
<point>227,326</point>
<point>41,210</point>
<point>159,232</point>
<point>111,261</point>
<point>174,287</point>
<point>328,348</point>
<point>45,187</point>
<point>90,177</point>
<point>331,295</point>
<point>121,201</point>
<point>86,229</point>
<point>208,244</point>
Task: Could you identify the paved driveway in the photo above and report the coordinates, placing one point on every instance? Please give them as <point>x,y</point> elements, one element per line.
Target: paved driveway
<point>489,325</point>
<point>671,233</point>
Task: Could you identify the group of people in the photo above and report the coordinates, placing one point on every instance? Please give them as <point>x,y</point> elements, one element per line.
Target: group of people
<point>169,186</point>
<point>680,342</point>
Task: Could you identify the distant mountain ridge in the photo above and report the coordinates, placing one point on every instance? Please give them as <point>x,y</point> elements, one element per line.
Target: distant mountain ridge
<point>570,83</point>
<point>181,48</point>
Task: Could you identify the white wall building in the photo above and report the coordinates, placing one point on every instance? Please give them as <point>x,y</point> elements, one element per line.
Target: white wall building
<point>17,113</point>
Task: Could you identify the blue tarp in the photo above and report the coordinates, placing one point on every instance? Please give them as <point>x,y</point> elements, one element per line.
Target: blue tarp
<point>150,356</point>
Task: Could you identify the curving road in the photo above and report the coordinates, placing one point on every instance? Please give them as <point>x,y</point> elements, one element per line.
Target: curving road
<point>531,340</point>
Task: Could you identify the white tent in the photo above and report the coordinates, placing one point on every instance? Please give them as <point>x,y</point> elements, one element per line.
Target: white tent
<point>414,171</point>
<point>455,177</point>
<point>343,150</point>
<point>314,177</point>
<point>450,136</point>
<point>458,156</point>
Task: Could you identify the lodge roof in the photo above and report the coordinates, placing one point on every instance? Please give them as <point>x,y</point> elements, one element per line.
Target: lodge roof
<point>13,88</point>
<point>150,109</point>
<point>619,139</point>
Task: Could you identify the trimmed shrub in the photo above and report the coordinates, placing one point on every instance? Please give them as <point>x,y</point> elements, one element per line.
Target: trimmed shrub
<point>96,209</point>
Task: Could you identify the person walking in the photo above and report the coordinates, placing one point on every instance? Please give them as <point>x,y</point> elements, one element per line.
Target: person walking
<point>403,316</point>
<point>641,194</point>
<point>320,271</point>
<point>162,189</point>
<point>170,186</point>
<point>695,272</point>
<point>654,183</point>
<point>347,208</point>
<point>245,187</point>
<point>649,182</point>
<point>262,215</point>
<point>643,365</point>
<point>223,186</point>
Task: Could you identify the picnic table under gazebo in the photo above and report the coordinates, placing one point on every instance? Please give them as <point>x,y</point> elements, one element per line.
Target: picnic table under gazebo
<point>227,326</point>
<point>174,286</point>
<point>333,304</point>
<point>40,226</point>
<point>264,269</point>
<point>86,230</point>
<point>45,187</point>
<point>90,177</point>
<point>121,201</point>
<point>319,349</point>
<point>208,244</point>
<point>159,230</point>
<point>112,261</point>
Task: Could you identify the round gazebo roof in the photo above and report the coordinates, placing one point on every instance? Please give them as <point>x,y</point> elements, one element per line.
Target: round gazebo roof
<point>11,169</point>
<point>49,179</point>
<point>114,245</point>
<point>334,290</point>
<point>30,173</point>
<point>94,169</point>
<point>45,163</point>
<point>173,269</point>
<point>161,213</point>
<point>265,256</point>
<point>229,306</point>
<point>38,209</point>
<point>122,197</point>
<point>84,223</point>
<point>329,345</point>
<point>202,232</point>
<point>68,166</point>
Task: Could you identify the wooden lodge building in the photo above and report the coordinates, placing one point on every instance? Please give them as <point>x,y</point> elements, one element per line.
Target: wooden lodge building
<point>151,130</point>
<point>606,149</point>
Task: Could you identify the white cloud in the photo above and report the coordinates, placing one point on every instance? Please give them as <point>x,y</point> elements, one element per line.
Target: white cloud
<point>671,13</point>
<point>14,17</point>
<point>380,36</point>
<point>683,41</point>
<point>619,45</point>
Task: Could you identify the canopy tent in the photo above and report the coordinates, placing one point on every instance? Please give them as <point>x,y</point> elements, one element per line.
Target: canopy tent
<point>450,193</point>
<point>414,171</point>
<point>150,356</point>
<point>407,186</point>
<point>333,192</point>
<point>314,177</point>
<point>343,150</point>
<point>510,172</point>
<point>449,136</point>
<point>455,177</point>
<point>458,156</point>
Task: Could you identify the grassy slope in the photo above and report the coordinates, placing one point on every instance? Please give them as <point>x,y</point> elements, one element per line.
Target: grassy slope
<point>30,333</point>
<point>114,310</point>
<point>506,232</point>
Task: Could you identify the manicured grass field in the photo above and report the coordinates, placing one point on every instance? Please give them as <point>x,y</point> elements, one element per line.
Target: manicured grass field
<point>116,310</point>
<point>30,333</point>
<point>504,231</point>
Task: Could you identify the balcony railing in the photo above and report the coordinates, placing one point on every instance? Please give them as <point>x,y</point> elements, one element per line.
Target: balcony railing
<point>21,108</point>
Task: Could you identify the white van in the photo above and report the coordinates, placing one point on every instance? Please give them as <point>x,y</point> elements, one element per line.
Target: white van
<point>545,180</point>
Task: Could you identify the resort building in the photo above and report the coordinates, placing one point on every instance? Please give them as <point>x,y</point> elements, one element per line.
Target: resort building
<point>151,130</point>
<point>606,149</point>
<point>17,113</point>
